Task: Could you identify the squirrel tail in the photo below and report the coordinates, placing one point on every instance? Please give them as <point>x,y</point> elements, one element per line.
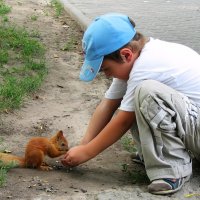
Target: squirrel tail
<point>6,159</point>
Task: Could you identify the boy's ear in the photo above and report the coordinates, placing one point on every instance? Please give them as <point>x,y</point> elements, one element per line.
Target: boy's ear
<point>126,54</point>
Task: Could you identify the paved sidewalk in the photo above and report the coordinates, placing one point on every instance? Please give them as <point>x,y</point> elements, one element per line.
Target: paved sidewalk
<point>172,20</point>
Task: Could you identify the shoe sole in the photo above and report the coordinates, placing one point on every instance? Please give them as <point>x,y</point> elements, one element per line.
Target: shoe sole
<point>187,178</point>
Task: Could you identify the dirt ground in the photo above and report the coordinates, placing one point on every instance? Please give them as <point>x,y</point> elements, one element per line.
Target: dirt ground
<point>65,103</point>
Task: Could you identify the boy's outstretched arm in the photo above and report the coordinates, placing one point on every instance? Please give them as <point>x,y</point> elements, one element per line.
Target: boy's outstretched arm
<point>112,132</point>
<point>100,118</point>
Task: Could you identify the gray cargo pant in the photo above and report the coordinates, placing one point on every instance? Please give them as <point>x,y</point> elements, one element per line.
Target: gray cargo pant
<point>167,130</point>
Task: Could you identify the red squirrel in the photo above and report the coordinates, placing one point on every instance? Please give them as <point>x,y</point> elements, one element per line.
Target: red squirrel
<point>35,151</point>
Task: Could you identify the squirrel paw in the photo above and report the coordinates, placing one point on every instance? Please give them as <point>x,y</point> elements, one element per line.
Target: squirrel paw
<point>44,164</point>
<point>45,168</point>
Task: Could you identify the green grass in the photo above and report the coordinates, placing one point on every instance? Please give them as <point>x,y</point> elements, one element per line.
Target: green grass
<point>135,175</point>
<point>22,64</point>
<point>34,17</point>
<point>22,68</point>
<point>128,144</point>
<point>4,9</point>
<point>70,44</point>
<point>3,172</point>
<point>58,7</point>
<point>4,168</point>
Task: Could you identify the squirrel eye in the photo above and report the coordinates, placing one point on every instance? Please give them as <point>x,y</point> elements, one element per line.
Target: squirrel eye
<point>63,144</point>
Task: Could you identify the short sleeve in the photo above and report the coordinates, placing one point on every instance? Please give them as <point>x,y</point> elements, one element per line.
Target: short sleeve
<point>117,89</point>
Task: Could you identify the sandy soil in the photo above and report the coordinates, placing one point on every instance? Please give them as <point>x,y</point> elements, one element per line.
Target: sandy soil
<point>65,103</point>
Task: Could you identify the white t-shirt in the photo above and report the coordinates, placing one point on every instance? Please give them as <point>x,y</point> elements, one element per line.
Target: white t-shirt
<point>173,64</point>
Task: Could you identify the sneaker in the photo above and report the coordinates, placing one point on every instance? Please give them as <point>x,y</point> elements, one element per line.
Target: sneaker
<point>136,158</point>
<point>167,185</point>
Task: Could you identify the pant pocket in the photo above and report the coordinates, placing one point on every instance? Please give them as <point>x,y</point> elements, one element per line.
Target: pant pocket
<point>157,114</point>
<point>161,120</point>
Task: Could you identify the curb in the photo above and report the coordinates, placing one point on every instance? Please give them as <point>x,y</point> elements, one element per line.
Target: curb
<point>76,14</point>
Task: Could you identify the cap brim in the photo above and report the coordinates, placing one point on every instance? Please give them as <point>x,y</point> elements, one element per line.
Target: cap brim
<point>90,69</point>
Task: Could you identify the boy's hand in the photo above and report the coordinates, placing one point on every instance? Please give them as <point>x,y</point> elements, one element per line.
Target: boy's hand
<point>75,156</point>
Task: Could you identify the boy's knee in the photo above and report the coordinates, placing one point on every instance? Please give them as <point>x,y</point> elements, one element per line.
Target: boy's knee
<point>145,88</point>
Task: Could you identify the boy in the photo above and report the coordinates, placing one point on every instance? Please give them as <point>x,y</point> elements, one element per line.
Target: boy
<point>156,93</point>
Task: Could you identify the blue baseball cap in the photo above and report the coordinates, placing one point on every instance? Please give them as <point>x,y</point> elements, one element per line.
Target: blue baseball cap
<point>104,35</point>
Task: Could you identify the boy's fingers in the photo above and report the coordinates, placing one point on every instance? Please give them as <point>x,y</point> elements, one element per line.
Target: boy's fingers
<point>65,155</point>
<point>64,162</point>
<point>67,162</point>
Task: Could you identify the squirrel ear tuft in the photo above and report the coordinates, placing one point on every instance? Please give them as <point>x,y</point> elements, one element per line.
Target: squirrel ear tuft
<point>60,133</point>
